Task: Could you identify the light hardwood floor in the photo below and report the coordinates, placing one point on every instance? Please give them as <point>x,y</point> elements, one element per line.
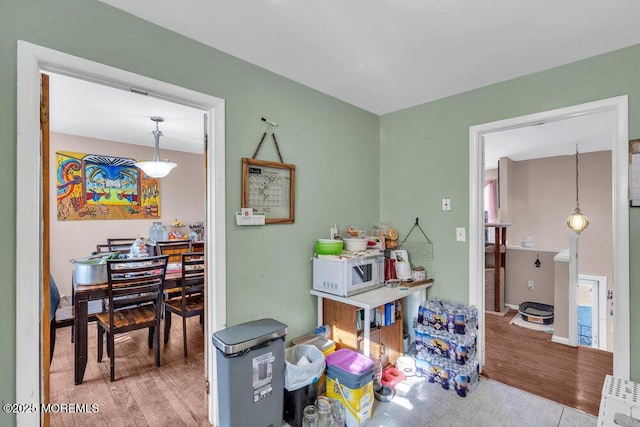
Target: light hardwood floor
<point>528,360</point>
<point>142,395</point>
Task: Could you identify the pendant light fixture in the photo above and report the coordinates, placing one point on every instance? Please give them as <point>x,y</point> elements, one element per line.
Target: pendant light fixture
<point>577,221</point>
<point>156,168</point>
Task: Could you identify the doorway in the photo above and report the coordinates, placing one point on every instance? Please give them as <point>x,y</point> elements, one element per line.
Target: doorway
<point>618,106</point>
<point>592,311</point>
<point>31,60</point>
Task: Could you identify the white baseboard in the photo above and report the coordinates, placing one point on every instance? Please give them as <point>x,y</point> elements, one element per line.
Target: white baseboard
<point>512,306</point>
<point>560,340</point>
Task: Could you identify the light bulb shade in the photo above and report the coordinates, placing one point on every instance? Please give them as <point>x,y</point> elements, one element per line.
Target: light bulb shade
<point>156,169</point>
<point>577,221</point>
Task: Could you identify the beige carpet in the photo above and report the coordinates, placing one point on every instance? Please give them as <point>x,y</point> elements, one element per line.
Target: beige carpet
<point>519,321</point>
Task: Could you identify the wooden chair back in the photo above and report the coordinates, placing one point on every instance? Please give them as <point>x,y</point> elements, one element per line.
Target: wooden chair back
<point>197,246</point>
<point>136,281</point>
<point>192,274</point>
<point>123,241</point>
<point>122,246</point>
<point>173,248</point>
<point>104,248</point>
<point>191,300</point>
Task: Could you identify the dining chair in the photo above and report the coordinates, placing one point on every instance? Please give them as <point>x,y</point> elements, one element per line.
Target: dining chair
<point>191,300</point>
<point>62,317</point>
<point>174,249</point>
<point>139,283</point>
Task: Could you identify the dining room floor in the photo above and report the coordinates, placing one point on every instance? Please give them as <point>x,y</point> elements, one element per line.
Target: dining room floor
<point>142,395</point>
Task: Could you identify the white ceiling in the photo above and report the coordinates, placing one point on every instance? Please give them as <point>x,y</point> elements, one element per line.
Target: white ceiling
<point>379,55</point>
<point>92,110</point>
<point>593,132</point>
<point>386,55</point>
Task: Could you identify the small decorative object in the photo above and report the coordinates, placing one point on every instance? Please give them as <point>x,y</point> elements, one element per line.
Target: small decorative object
<point>138,249</point>
<point>418,249</point>
<point>537,263</point>
<point>175,234</point>
<point>527,241</point>
<point>418,273</point>
<point>196,231</point>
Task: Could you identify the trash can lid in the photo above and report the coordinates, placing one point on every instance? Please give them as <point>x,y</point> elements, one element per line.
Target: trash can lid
<point>244,336</point>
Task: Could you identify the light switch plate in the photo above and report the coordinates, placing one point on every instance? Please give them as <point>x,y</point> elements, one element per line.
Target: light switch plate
<point>461,235</point>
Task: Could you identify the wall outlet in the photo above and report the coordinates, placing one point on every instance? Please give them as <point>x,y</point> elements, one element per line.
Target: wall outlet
<point>530,285</point>
<point>446,205</point>
<point>461,235</point>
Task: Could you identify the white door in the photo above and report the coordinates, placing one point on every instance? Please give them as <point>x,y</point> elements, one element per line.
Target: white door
<point>591,302</point>
<point>587,313</point>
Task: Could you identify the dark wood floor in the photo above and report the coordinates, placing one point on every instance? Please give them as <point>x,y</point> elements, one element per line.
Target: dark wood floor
<point>142,395</point>
<point>528,360</point>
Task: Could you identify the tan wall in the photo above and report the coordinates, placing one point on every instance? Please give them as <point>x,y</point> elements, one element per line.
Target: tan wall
<point>182,196</point>
<point>537,196</point>
<point>542,194</point>
<point>505,192</point>
<point>520,268</point>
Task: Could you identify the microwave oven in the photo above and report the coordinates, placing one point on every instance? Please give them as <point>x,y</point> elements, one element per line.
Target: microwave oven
<point>348,274</point>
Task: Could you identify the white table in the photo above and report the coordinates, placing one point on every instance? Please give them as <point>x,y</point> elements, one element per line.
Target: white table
<point>371,299</point>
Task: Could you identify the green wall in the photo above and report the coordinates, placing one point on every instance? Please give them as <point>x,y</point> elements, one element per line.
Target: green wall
<point>425,150</point>
<point>333,145</point>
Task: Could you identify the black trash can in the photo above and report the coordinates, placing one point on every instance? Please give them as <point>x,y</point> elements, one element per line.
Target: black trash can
<point>295,401</point>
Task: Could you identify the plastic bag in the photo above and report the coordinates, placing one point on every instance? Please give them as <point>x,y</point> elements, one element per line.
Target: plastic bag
<point>297,376</point>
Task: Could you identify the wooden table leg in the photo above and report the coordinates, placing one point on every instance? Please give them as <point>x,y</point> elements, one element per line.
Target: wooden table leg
<point>80,339</point>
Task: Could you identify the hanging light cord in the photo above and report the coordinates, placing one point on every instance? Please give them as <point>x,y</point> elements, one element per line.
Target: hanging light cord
<point>577,201</point>
<point>157,134</point>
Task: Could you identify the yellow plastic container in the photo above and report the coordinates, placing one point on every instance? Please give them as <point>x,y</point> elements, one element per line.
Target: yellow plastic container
<point>325,345</point>
<point>358,403</point>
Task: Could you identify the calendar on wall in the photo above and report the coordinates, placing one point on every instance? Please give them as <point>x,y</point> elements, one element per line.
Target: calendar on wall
<point>269,187</point>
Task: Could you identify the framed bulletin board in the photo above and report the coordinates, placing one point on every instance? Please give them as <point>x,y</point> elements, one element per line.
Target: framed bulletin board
<point>269,187</point>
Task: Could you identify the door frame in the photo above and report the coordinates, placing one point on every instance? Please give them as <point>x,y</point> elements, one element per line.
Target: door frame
<point>620,209</point>
<point>30,61</point>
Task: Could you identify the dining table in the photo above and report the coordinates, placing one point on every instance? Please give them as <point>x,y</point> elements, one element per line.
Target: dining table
<point>82,294</point>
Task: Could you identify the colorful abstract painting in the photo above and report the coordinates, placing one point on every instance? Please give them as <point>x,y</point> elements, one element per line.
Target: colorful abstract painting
<point>93,187</point>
